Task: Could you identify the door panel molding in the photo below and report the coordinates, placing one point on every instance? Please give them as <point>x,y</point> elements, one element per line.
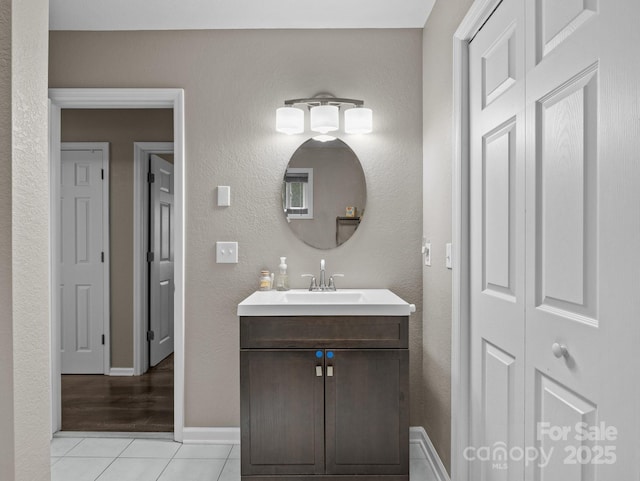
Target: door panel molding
<point>566,184</point>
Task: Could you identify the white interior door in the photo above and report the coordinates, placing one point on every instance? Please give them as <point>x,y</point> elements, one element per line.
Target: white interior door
<point>583,238</point>
<point>555,230</point>
<point>83,305</point>
<point>497,196</point>
<point>161,235</point>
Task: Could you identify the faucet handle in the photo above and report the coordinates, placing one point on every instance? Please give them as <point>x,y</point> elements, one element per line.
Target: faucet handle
<point>332,285</point>
<point>313,286</point>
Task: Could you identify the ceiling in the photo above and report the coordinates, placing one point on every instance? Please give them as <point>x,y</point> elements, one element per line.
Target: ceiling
<point>236,14</point>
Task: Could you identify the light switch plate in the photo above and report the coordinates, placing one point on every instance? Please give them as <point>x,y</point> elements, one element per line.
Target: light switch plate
<point>227,252</point>
<point>224,195</point>
<point>448,257</point>
<point>427,254</point>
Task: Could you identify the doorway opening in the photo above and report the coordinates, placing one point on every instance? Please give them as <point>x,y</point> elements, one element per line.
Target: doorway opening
<point>121,369</point>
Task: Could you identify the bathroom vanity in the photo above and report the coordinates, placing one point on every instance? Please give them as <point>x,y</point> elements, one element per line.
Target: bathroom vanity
<point>324,385</point>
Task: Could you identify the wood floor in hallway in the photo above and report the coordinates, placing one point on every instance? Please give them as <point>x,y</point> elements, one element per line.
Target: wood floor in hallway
<point>126,404</point>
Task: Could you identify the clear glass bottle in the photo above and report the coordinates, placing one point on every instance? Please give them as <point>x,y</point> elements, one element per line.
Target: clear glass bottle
<point>282,282</point>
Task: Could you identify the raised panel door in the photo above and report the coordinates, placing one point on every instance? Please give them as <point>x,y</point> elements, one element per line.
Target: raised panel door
<point>161,276</point>
<point>282,412</point>
<point>367,415</point>
<point>497,198</point>
<point>81,262</point>
<point>582,237</point>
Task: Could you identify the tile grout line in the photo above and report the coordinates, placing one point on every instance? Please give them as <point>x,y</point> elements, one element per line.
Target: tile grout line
<point>223,466</point>
<point>73,447</point>
<point>169,462</point>
<point>164,469</point>
<point>125,448</point>
<point>106,467</point>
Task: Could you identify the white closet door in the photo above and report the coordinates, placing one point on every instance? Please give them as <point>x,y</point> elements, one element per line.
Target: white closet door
<point>497,197</point>
<point>583,237</point>
<point>81,262</point>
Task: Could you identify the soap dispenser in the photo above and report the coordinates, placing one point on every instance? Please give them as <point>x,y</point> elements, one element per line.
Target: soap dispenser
<point>282,282</point>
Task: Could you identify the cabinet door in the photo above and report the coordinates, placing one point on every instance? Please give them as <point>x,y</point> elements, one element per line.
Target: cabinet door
<point>282,412</point>
<point>367,411</point>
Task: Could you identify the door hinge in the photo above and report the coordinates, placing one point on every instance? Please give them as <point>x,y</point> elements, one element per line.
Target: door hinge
<point>102,174</point>
<point>103,339</point>
<point>151,177</point>
<point>150,256</point>
<point>102,257</point>
<point>150,335</point>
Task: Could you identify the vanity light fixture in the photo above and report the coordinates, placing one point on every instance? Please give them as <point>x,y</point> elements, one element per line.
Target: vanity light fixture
<point>324,116</point>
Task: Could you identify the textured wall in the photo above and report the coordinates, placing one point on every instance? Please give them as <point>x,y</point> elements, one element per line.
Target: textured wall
<point>29,226</point>
<point>121,128</point>
<point>234,81</point>
<point>6,318</point>
<point>437,147</point>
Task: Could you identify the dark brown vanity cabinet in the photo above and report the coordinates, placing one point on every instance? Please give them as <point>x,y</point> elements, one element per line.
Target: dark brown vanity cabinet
<point>324,396</point>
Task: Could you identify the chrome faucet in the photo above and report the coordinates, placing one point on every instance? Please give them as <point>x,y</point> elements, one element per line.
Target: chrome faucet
<point>323,285</point>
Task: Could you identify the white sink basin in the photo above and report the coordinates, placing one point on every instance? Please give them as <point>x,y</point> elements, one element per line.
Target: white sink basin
<point>344,302</point>
<point>330,297</point>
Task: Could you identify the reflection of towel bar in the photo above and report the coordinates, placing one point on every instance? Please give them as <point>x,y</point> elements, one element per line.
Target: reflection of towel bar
<point>345,220</point>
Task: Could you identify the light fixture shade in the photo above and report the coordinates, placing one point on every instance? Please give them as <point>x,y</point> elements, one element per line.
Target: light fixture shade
<point>289,120</point>
<point>325,118</point>
<point>358,121</point>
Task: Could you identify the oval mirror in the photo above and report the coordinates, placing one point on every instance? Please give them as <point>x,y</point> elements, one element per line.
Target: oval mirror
<point>324,193</point>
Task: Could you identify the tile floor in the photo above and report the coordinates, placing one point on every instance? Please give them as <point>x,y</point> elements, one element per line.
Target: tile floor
<point>135,459</point>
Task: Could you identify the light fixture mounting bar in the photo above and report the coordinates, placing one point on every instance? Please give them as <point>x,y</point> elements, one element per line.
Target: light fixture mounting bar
<point>312,102</point>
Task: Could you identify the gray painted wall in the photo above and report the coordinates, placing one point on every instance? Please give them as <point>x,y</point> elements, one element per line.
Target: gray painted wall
<point>437,54</point>
<point>24,251</point>
<point>233,82</point>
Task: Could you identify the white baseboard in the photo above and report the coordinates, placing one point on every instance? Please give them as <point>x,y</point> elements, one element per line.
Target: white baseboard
<point>112,434</point>
<point>121,371</point>
<point>211,435</point>
<point>419,436</point>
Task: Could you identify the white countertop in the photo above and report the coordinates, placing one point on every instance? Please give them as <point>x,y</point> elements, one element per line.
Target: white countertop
<point>343,302</point>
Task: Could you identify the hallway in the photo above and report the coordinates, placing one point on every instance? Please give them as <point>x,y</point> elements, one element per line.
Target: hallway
<point>119,404</point>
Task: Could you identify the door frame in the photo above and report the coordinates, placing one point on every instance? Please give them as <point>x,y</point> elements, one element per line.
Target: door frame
<point>55,222</point>
<point>141,151</point>
<point>473,21</point>
<point>137,98</point>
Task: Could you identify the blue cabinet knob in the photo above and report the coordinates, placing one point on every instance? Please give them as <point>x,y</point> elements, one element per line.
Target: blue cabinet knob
<point>319,354</point>
<point>330,355</point>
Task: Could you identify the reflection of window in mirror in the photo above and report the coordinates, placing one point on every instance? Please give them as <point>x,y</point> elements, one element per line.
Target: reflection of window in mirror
<point>299,193</point>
